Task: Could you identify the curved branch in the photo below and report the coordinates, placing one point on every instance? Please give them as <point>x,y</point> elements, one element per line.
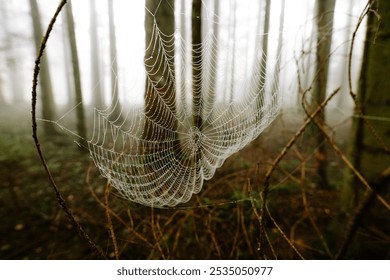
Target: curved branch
<point>60,199</point>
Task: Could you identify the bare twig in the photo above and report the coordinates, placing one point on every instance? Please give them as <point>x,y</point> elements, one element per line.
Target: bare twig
<point>384,179</point>
<point>281,155</point>
<point>351,166</point>
<point>370,192</point>
<point>354,223</point>
<point>259,219</point>
<point>307,208</point>
<point>155,233</point>
<point>116,216</point>
<point>283,234</point>
<point>243,227</point>
<point>358,108</point>
<point>109,221</point>
<point>60,199</point>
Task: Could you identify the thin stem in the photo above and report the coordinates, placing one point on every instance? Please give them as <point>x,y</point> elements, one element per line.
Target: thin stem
<point>60,199</point>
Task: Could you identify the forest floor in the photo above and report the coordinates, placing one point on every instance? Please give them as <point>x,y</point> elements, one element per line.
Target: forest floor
<point>221,222</point>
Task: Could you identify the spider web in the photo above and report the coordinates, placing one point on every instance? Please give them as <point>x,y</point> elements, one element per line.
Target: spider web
<point>158,154</point>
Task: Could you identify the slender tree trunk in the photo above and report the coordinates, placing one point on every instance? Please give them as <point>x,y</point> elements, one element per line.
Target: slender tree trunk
<point>370,153</point>
<point>325,12</point>
<point>197,99</point>
<point>279,47</point>
<point>10,70</point>
<point>263,68</point>
<point>183,29</point>
<point>68,67</point>
<point>197,63</point>
<point>232,33</point>
<point>350,196</point>
<point>160,98</point>
<point>212,87</point>
<point>114,64</point>
<point>307,61</point>
<point>97,88</point>
<point>81,129</point>
<point>160,126</point>
<point>264,54</point>
<point>344,97</point>
<point>48,109</point>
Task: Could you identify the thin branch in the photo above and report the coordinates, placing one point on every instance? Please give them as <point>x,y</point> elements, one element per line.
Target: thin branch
<point>354,224</point>
<point>368,198</point>
<point>109,221</point>
<point>281,155</point>
<point>115,215</point>
<point>351,166</point>
<point>354,96</point>
<point>60,199</point>
<point>259,219</point>
<point>384,178</point>
<point>283,234</point>
<point>308,211</point>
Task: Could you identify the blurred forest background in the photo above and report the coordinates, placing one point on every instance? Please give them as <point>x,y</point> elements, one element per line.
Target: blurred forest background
<point>311,189</point>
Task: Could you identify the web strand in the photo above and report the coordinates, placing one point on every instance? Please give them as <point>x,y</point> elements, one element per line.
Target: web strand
<point>157,156</point>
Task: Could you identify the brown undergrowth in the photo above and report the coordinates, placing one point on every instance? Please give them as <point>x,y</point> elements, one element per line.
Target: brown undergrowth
<point>219,223</point>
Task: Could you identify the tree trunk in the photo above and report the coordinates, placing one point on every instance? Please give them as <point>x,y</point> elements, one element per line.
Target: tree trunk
<point>48,111</point>
<point>116,106</point>
<point>370,154</point>
<point>307,61</point>
<point>325,12</point>
<point>209,91</point>
<point>183,29</point>
<point>344,97</point>
<point>67,64</point>
<point>279,47</point>
<point>212,87</point>
<point>160,99</point>
<point>265,42</point>
<point>97,88</point>
<point>160,126</point>
<point>197,62</point>
<point>8,58</point>
<point>232,35</point>
<point>81,129</point>
<point>264,53</point>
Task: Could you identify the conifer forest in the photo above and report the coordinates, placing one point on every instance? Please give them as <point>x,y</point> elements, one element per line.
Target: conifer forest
<point>195,129</point>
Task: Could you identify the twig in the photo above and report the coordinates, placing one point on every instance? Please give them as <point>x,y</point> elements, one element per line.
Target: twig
<point>259,217</point>
<point>384,178</point>
<point>277,160</point>
<point>116,216</point>
<point>60,199</point>
<point>350,165</point>
<point>155,235</point>
<point>307,209</point>
<point>358,107</point>
<point>237,233</point>
<point>243,227</point>
<point>109,221</point>
<point>283,234</point>
<point>370,193</point>
<point>213,238</point>
<point>355,223</point>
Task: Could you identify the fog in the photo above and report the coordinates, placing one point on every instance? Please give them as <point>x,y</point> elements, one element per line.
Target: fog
<point>17,47</point>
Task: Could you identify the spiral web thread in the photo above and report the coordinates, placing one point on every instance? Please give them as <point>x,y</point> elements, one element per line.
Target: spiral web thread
<point>155,155</point>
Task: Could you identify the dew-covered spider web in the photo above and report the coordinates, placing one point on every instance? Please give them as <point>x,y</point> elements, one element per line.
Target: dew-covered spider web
<point>203,102</point>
